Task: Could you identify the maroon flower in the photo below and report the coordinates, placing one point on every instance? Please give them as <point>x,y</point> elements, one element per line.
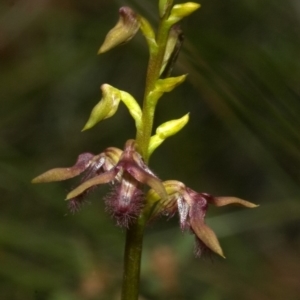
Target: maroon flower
<point>125,170</point>
<point>191,207</point>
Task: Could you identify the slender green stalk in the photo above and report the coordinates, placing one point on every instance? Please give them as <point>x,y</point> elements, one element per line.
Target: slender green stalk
<point>134,235</point>
<point>153,73</point>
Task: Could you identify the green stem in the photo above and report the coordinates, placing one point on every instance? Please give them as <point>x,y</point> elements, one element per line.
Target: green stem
<point>134,235</point>
<point>132,260</point>
<point>153,73</point>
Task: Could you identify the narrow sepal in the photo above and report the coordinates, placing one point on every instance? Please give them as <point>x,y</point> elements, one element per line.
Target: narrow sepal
<point>207,236</point>
<point>100,179</point>
<point>124,30</point>
<point>58,174</point>
<point>222,201</point>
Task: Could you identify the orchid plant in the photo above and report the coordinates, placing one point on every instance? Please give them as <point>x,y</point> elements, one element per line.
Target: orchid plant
<point>138,195</point>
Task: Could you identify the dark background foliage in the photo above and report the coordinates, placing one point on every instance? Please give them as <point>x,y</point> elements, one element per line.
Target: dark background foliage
<point>243,139</point>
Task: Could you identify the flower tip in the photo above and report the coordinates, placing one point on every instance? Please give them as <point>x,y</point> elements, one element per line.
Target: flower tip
<point>102,50</point>
<point>196,5</point>
<point>222,255</point>
<point>49,176</point>
<point>74,193</point>
<point>180,11</point>
<point>85,127</point>
<point>218,250</point>
<point>69,196</point>
<point>222,201</point>
<point>35,180</point>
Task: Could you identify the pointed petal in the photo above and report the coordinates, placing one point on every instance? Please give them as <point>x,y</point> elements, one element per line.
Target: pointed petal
<point>222,201</point>
<point>207,236</point>
<point>58,174</point>
<point>102,178</point>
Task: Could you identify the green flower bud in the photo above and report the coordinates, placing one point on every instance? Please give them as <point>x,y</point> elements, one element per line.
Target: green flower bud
<point>166,130</point>
<point>165,85</point>
<point>180,11</point>
<point>106,108</point>
<point>171,127</point>
<point>164,6</point>
<point>168,84</point>
<point>109,104</point>
<point>125,30</point>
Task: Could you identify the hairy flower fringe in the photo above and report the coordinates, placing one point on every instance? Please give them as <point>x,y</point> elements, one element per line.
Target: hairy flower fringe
<point>75,204</point>
<point>200,249</point>
<point>123,209</point>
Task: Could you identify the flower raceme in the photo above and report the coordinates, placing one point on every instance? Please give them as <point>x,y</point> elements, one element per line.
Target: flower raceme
<point>126,171</point>
<point>191,207</point>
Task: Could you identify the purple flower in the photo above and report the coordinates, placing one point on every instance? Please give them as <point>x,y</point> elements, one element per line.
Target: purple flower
<point>191,207</point>
<point>127,172</point>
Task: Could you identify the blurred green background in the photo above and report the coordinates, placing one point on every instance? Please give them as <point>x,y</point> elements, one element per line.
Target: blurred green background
<point>243,139</point>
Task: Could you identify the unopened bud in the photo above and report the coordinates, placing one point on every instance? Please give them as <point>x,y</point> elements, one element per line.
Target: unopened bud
<point>171,127</point>
<point>180,11</point>
<point>165,85</point>
<point>166,130</point>
<point>106,108</point>
<point>168,84</point>
<point>125,30</point>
